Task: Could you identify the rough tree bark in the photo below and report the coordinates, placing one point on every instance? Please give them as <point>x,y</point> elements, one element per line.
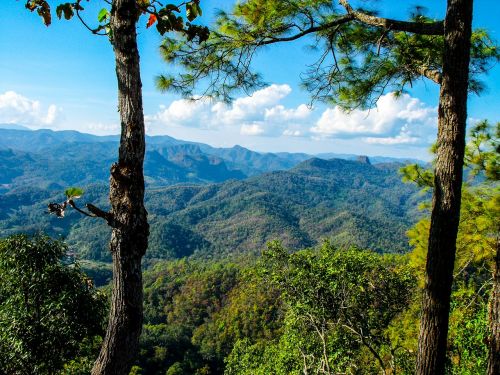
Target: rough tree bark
<point>494,318</point>
<point>452,115</point>
<point>129,238</point>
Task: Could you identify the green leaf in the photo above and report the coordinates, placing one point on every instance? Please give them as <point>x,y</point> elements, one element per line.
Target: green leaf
<point>198,9</point>
<point>73,192</point>
<point>191,11</point>
<point>103,15</point>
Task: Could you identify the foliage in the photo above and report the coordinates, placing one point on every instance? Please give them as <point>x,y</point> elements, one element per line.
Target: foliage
<point>476,248</point>
<point>73,192</point>
<point>339,305</point>
<point>253,318</point>
<point>46,308</point>
<point>480,208</point>
<point>167,17</point>
<point>469,326</point>
<point>180,297</point>
<point>356,61</point>
<point>346,201</point>
<point>483,150</point>
<point>252,311</point>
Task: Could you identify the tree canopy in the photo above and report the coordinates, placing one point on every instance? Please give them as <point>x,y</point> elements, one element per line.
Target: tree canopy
<point>47,308</point>
<point>358,55</point>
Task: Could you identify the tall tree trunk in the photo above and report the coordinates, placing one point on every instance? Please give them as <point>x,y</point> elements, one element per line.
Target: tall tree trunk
<point>494,318</point>
<point>452,116</point>
<point>129,238</point>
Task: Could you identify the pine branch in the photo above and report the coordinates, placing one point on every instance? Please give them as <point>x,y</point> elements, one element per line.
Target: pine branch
<point>339,21</point>
<point>422,28</point>
<point>432,74</point>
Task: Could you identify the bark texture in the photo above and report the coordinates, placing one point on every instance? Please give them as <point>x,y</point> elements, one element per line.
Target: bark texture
<point>494,318</point>
<point>129,238</point>
<point>452,115</point>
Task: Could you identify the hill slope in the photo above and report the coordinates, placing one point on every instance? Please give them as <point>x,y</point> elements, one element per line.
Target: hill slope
<point>345,201</point>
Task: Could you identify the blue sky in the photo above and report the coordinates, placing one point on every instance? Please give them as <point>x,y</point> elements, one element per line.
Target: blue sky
<point>62,77</point>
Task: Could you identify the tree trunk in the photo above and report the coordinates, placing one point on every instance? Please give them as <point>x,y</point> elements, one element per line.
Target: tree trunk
<point>129,238</point>
<point>452,116</point>
<point>494,318</point>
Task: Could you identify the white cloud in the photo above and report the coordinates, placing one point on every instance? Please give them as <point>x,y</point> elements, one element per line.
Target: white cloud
<point>253,107</point>
<point>293,133</point>
<point>252,129</point>
<point>280,113</point>
<point>403,120</point>
<point>259,114</point>
<point>16,108</point>
<point>393,121</point>
<point>402,138</point>
<point>183,113</point>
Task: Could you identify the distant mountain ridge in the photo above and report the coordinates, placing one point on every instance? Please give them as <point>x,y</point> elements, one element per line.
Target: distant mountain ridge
<point>205,200</point>
<point>168,160</point>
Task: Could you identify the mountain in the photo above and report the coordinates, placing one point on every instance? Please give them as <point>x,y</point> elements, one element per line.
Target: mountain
<point>45,158</point>
<point>253,163</point>
<point>373,159</point>
<point>168,160</point>
<point>347,202</point>
<point>205,200</point>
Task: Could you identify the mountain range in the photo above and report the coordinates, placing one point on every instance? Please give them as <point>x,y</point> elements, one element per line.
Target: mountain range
<point>203,200</point>
<point>55,159</point>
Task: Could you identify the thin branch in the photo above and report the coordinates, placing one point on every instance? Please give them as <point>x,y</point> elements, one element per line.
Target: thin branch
<point>339,21</point>
<point>93,31</point>
<point>370,348</point>
<point>94,212</point>
<point>72,204</point>
<point>97,212</point>
<point>381,39</point>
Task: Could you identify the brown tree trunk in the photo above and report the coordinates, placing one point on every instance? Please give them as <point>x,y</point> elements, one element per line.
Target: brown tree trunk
<point>494,318</point>
<point>129,238</point>
<point>445,216</point>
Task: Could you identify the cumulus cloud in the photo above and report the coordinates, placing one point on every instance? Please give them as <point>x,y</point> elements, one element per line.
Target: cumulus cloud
<point>252,129</point>
<point>259,114</point>
<point>394,120</point>
<point>404,137</point>
<point>16,108</point>
<point>192,113</point>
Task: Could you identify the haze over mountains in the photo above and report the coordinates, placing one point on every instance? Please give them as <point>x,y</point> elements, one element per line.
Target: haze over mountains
<point>44,155</point>
<point>205,200</point>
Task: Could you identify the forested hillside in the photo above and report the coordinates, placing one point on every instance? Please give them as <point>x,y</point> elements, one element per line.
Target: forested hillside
<point>346,201</point>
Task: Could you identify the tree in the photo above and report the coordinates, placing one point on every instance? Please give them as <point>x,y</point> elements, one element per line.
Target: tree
<point>363,55</point>
<point>128,216</point>
<point>46,308</point>
<point>338,303</point>
<point>479,233</point>
<point>483,154</point>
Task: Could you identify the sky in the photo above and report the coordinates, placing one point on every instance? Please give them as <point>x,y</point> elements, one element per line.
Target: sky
<point>62,77</point>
